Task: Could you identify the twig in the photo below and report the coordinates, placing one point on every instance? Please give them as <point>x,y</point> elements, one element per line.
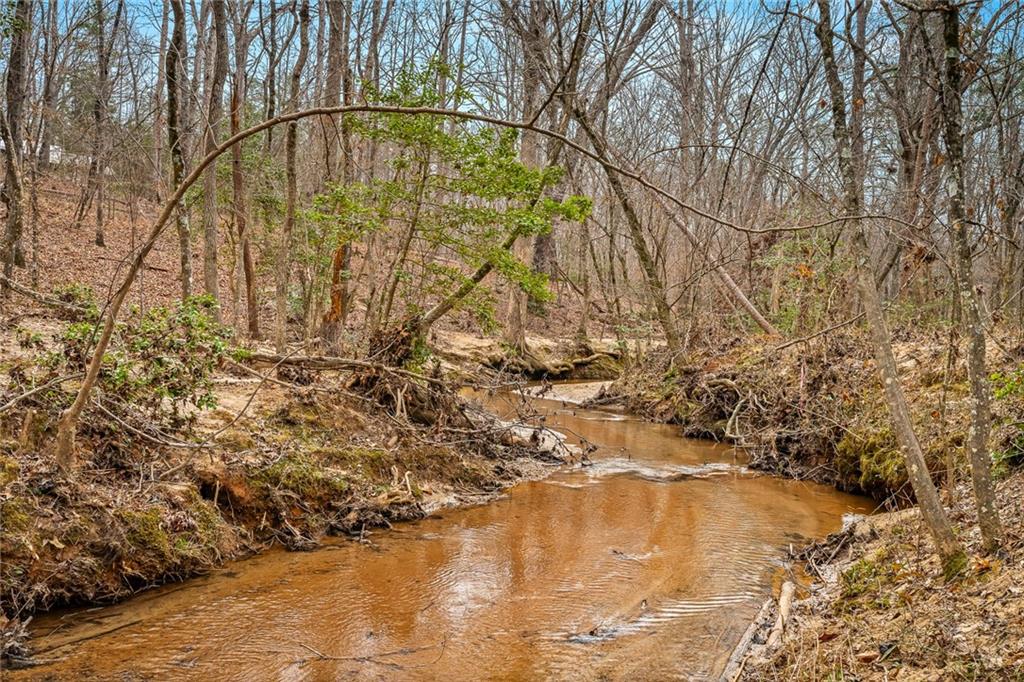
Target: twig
<point>143,434</point>
<point>92,636</point>
<point>263,379</point>
<point>369,658</point>
<point>38,389</point>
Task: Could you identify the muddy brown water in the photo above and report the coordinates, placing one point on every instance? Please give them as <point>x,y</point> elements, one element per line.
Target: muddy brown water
<point>648,564</point>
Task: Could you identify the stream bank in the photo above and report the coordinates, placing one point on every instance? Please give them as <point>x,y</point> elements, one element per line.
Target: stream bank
<point>621,569</point>
<point>815,410</point>
<point>299,464</point>
<point>879,609</point>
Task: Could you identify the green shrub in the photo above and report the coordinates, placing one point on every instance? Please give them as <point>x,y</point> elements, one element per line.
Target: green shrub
<point>163,358</point>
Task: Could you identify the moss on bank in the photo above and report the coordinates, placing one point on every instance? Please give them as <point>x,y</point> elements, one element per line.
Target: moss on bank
<point>882,610</point>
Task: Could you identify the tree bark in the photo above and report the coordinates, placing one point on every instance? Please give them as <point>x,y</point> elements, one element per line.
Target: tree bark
<point>49,101</point>
<point>284,245</point>
<point>173,73</point>
<point>949,549</point>
<point>652,278</point>
<point>529,152</point>
<point>338,77</point>
<point>214,113</point>
<point>239,203</point>
<point>158,105</point>
<point>981,418</point>
<point>13,190</point>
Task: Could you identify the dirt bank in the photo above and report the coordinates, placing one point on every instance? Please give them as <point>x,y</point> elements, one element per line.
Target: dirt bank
<point>815,410</point>
<point>879,609</point>
<point>273,463</point>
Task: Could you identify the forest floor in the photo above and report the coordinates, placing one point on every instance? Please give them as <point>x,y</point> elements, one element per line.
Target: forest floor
<point>881,611</point>
<point>68,255</point>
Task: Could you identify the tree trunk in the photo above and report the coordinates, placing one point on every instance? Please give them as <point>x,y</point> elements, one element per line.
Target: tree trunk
<point>13,191</point>
<point>158,105</point>
<point>338,77</point>
<point>239,204</point>
<point>49,102</point>
<point>652,278</point>
<point>214,112</point>
<point>950,552</point>
<point>283,264</point>
<point>173,73</point>
<point>981,419</point>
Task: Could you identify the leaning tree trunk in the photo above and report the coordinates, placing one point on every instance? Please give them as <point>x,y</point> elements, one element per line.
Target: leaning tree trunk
<point>950,552</point>
<point>652,279</point>
<point>981,419</point>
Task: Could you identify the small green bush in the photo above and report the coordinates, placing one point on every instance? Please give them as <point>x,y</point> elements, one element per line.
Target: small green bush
<point>163,358</point>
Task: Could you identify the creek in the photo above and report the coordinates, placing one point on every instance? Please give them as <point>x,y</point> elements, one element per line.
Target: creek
<point>646,564</point>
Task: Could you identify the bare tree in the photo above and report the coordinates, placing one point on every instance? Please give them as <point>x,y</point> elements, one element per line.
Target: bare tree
<point>96,182</point>
<point>850,159</point>
<point>981,413</point>
<point>14,117</point>
<point>283,265</point>
<point>174,141</point>
<point>240,206</point>
<point>214,113</point>
<point>339,77</point>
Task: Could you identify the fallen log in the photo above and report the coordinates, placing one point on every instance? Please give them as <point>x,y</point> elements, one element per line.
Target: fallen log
<point>734,666</point>
<point>40,297</point>
<point>747,644</point>
<point>785,606</point>
<point>541,438</point>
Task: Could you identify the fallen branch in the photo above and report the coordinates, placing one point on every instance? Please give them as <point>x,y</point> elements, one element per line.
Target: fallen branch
<point>40,297</point>
<point>38,389</point>
<point>785,606</point>
<point>91,636</point>
<point>370,658</point>
<point>323,362</point>
<point>734,666</point>
<point>738,659</point>
<point>145,436</point>
<point>263,379</point>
